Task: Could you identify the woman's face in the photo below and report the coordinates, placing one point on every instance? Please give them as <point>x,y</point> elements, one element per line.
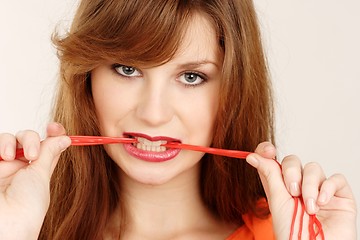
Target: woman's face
<point>176,101</point>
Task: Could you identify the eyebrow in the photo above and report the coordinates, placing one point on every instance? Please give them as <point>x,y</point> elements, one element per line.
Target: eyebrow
<point>198,64</point>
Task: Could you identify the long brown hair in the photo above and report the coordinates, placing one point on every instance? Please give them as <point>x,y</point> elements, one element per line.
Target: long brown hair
<point>84,187</point>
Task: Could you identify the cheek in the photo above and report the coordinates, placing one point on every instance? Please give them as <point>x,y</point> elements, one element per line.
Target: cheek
<point>206,110</point>
<point>210,108</point>
<point>110,100</point>
<point>201,114</point>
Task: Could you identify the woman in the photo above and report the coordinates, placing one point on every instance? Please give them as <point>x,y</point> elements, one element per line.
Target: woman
<point>163,71</point>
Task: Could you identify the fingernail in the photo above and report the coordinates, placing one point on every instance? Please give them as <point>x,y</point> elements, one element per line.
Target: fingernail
<point>311,206</point>
<point>253,161</point>
<point>322,197</point>
<point>294,189</point>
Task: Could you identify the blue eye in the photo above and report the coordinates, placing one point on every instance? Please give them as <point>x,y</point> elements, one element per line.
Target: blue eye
<point>126,71</point>
<point>191,79</point>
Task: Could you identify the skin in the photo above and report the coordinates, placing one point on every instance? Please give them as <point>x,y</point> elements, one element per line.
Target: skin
<point>164,203</point>
<point>163,198</point>
<point>160,101</point>
<point>330,198</point>
<point>24,188</point>
<point>28,208</point>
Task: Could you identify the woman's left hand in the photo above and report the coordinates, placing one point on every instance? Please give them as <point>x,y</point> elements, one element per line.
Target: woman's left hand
<point>329,198</point>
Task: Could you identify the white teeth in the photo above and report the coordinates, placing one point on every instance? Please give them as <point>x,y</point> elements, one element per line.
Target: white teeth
<point>147,145</point>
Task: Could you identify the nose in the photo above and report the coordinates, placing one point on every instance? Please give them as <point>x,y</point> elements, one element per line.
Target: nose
<point>154,107</point>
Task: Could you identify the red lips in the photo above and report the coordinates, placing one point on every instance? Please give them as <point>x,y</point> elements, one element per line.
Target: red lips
<point>151,156</point>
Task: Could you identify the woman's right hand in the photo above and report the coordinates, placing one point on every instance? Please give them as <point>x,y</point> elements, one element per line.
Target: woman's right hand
<point>24,187</point>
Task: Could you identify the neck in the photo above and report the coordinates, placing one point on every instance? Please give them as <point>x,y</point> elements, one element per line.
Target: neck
<point>163,206</point>
<point>169,210</point>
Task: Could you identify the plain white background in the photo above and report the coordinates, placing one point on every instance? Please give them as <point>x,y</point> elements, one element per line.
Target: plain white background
<point>313,49</point>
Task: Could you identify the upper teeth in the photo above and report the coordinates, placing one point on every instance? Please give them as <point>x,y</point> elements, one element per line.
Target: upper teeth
<point>148,145</point>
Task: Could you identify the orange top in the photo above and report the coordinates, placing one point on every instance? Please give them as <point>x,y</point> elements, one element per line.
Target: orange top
<point>254,229</point>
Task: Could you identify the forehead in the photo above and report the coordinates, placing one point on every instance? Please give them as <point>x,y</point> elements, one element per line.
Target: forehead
<point>200,41</point>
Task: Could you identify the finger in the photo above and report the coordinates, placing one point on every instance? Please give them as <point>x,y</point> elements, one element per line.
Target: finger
<point>270,174</point>
<point>313,177</point>
<point>292,174</point>
<point>33,181</point>
<point>50,151</point>
<point>8,168</point>
<point>266,150</point>
<point>30,142</point>
<point>334,186</point>
<point>263,161</point>
<point>7,146</point>
<point>55,129</point>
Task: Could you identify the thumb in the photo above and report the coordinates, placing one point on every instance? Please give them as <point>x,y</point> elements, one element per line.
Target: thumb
<point>279,199</point>
<point>270,175</point>
<point>50,151</point>
<point>30,185</point>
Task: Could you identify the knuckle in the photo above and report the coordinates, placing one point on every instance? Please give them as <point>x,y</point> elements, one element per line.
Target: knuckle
<point>20,133</point>
<point>265,147</point>
<point>265,144</point>
<point>312,165</point>
<point>338,177</point>
<point>291,162</point>
<point>290,158</point>
<point>7,137</point>
<point>261,146</point>
<point>27,135</point>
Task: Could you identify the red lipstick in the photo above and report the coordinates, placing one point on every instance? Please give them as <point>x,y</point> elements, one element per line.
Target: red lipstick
<point>149,148</point>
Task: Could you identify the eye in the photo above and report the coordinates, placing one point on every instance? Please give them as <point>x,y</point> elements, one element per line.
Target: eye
<point>192,78</point>
<point>126,71</point>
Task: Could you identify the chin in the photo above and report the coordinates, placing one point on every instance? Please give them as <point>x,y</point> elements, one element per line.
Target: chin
<point>151,178</point>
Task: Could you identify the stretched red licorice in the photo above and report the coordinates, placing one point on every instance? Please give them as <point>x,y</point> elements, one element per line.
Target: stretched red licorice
<point>84,141</point>
<point>314,227</point>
